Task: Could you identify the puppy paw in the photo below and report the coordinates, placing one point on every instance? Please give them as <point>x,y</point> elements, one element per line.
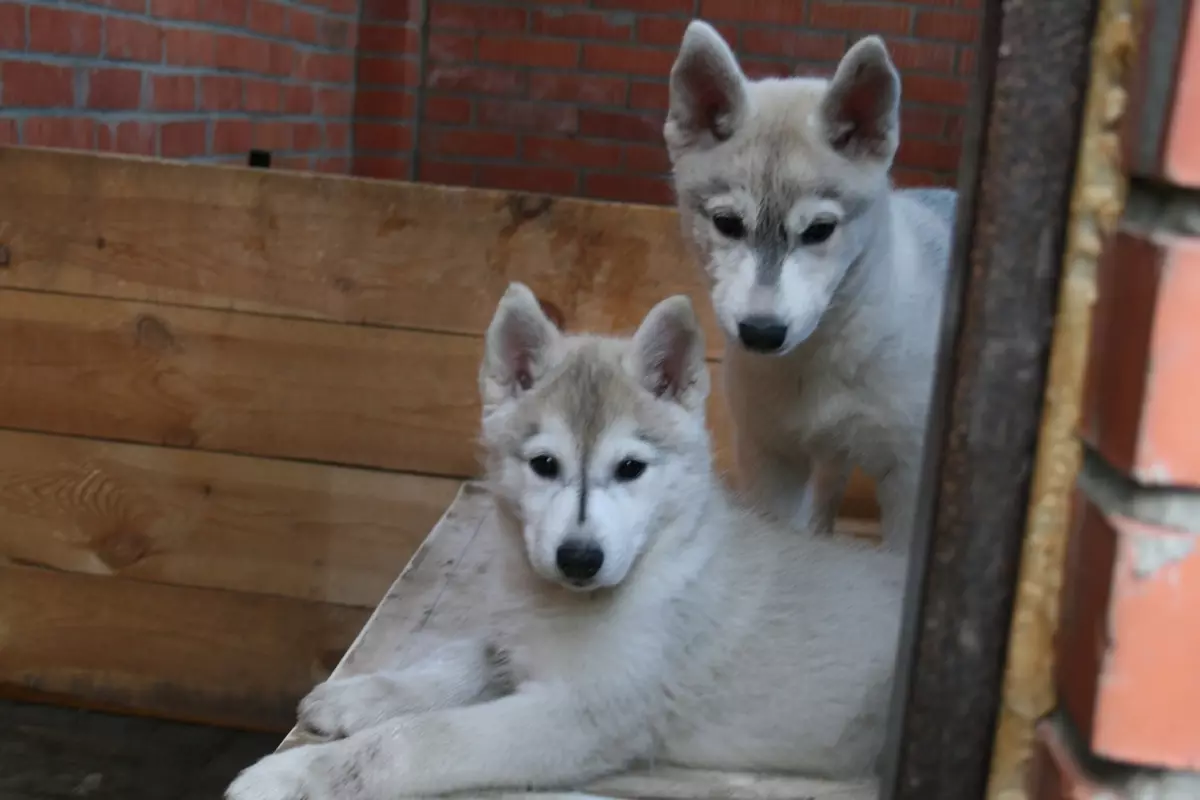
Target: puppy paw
<point>296,774</point>
<point>342,707</point>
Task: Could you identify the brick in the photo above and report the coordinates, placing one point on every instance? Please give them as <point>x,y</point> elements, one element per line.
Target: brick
<point>8,132</point>
<point>477,80</point>
<point>906,178</point>
<point>476,17</point>
<point>75,133</point>
<point>388,71</point>
<point>337,136</point>
<point>451,47</point>
<point>391,39</point>
<point>12,26</point>
<point>267,18</point>
<point>936,90</point>
<point>923,56</point>
<point>225,12</point>
<point>756,69</point>
<point>448,173</point>
<point>340,6</point>
<point>382,136</point>
<point>966,62</point>
<point>571,152</point>
<point>298,100</point>
<point>955,127</point>
<point>382,167</point>
<point>620,125</point>
<point>1181,159</point>
<point>131,138</point>
<point>306,136</point>
<point>64,32</point>
<point>948,25</point>
<point>628,59</point>
<point>865,17</point>
<point>262,96</point>
<point>326,67</point>
<point>649,95</point>
<point>1128,643</point>
<point>173,93</point>
<point>647,158</point>
<point>272,135</point>
<point>390,10</point>
<point>599,90</point>
<point>628,188</point>
<point>1056,772</point>
<point>332,166</point>
<point>333,102</point>
<point>120,5</point>
<point>776,12</point>
<point>186,10</point>
<point>336,34</point>
<point>1142,378</point>
<point>527,51</point>
<point>232,136</point>
<point>447,110</point>
<point>927,154</point>
<point>189,48</point>
<point>184,139</point>
<point>526,178</point>
<point>220,93</point>
<point>244,53</point>
<point>132,40</point>
<point>583,24</point>
<point>385,104</point>
<point>282,60</point>
<point>468,144</point>
<point>302,26</point>
<point>30,85</point>
<point>647,6</point>
<point>922,123</point>
<point>801,44</point>
<point>527,116</point>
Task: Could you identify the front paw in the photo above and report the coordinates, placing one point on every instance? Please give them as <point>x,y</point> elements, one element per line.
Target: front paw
<point>341,707</point>
<point>297,774</point>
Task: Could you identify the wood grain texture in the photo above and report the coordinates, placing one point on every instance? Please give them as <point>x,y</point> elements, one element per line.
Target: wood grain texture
<point>202,655</point>
<point>207,520</point>
<point>350,250</point>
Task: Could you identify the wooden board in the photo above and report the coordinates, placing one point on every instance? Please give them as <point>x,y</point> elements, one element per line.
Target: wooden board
<point>448,588</point>
<point>219,657</point>
<point>344,249</point>
<point>217,521</point>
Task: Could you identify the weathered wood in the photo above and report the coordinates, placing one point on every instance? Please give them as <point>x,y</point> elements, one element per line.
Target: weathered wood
<point>999,312</point>
<point>49,753</point>
<point>202,655</point>
<point>449,589</point>
<point>350,250</point>
<point>207,520</point>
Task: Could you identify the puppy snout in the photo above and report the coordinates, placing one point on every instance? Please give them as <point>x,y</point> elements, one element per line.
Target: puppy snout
<point>579,560</point>
<point>762,334</point>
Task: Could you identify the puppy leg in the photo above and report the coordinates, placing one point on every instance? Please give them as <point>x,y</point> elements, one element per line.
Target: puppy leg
<point>823,495</point>
<point>898,493</point>
<point>541,737</point>
<point>456,674</point>
<point>776,483</point>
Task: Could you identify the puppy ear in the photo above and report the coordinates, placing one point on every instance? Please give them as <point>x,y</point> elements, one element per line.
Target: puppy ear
<point>707,92</point>
<point>668,354</point>
<point>518,346</point>
<point>861,108</point>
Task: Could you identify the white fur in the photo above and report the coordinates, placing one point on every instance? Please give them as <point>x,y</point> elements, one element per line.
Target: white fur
<point>717,640</point>
<point>851,383</point>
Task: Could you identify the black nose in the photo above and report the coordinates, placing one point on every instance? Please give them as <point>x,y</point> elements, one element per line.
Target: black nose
<point>579,560</point>
<point>762,334</point>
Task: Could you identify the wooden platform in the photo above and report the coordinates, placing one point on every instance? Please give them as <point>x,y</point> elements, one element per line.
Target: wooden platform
<point>446,590</point>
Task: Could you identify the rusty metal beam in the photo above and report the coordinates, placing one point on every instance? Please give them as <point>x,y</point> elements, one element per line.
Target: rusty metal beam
<point>1015,189</point>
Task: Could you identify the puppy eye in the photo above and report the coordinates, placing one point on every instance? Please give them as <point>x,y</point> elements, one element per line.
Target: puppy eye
<point>630,470</point>
<point>818,232</point>
<point>544,466</point>
<point>730,225</point>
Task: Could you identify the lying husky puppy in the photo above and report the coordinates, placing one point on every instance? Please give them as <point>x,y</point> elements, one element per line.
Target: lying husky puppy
<point>661,622</point>
<point>826,282</point>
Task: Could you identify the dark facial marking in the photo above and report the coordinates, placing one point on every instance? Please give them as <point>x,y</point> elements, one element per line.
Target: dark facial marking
<point>770,242</point>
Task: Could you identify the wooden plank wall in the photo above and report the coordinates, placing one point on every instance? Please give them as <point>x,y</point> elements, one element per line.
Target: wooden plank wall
<point>233,402</point>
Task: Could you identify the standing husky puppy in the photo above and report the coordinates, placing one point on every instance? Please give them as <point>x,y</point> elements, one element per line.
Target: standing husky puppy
<point>826,282</point>
<point>658,620</point>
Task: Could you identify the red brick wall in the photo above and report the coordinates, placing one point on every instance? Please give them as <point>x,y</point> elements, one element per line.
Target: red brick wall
<point>561,96</point>
<point>194,79</point>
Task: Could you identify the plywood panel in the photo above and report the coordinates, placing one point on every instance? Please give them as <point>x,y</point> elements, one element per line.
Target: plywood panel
<point>209,656</point>
<point>346,249</point>
<point>208,520</point>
